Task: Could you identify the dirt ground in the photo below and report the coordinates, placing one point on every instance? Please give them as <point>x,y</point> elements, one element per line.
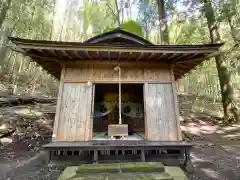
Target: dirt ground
<point>215,155</point>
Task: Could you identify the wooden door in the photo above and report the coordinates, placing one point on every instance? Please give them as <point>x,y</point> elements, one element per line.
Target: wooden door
<point>75,119</point>
<point>160,113</point>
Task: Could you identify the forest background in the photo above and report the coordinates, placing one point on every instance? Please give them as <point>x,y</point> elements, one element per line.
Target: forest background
<point>160,21</point>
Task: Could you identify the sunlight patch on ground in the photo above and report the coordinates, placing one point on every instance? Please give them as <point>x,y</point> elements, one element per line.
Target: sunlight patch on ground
<point>196,159</point>
<point>44,121</point>
<point>28,112</point>
<point>229,128</point>
<point>210,172</point>
<point>3,126</point>
<point>232,135</point>
<point>199,127</point>
<point>6,140</point>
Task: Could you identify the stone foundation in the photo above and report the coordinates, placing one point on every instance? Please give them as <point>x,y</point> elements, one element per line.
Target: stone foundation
<point>123,171</point>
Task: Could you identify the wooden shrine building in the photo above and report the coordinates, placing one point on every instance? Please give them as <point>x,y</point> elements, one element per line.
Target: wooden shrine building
<point>87,113</point>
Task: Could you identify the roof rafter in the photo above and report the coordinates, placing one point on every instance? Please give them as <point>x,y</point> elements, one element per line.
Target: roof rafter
<point>207,56</point>
<point>139,57</point>
<point>88,55</point>
<point>66,54</point>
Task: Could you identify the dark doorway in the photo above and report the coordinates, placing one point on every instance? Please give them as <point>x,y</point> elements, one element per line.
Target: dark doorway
<point>106,109</point>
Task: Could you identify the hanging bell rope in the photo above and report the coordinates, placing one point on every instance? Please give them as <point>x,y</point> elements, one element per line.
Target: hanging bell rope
<point>117,68</point>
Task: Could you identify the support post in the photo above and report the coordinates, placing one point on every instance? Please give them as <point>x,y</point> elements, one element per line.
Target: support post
<point>188,163</point>
<point>143,156</point>
<point>95,156</point>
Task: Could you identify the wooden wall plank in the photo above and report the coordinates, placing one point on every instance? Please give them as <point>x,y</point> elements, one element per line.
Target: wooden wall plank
<point>107,73</point>
<point>157,73</point>
<point>175,99</point>
<point>88,113</point>
<point>160,113</point>
<point>58,107</point>
<point>131,73</point>
<point>176,106</point>
<point>171,116</point>
<point>75,113</point>
<point>145,107</point>
<point>91,112</point>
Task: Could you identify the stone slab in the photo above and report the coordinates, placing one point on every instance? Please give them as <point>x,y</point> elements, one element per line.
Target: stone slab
<point>176,172</point>
<point>68,173</point>
<point>123,171</point>
<point>144,167</point>
<point>122,167</point>
<point>99,168</point>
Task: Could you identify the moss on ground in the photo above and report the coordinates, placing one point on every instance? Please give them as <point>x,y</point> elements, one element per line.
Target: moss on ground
<point>123,171</point>
<point>143,167</point>
<point>68,173</point>
<point>98,168</point>
<point>176,172</point>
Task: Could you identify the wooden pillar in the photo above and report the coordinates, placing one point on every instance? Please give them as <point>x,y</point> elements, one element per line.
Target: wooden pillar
<point>143,156</point>
<point>176,105</point>
<point>95,156</point>
<point>58,108</point>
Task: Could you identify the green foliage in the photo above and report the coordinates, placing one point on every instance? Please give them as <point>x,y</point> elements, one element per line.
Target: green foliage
<point>133,27</point>
<point>147,15</point>
<point>26,19</point>
<point>129,26</point>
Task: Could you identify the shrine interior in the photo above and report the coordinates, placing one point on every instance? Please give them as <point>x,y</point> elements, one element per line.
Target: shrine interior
<point>106,110</point>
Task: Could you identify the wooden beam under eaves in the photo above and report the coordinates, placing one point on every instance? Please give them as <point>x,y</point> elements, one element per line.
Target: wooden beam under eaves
<point>129,56</point>
<point>109,55</point>
<point>152,49</point>
<point>182,56</point>
<point>99,56</point>
<point>77,55</point>
<point>42,51</point>
<point>119,56</point>
<point>52,51</point>
<point>52,69</point>
<point>171,57</point>
<point>186,65</point>
<point>190,58</point>
<point>161,56</point>
<point>151,56</point>
<point>179,71</point>
<point>66,54</point>
<point>33,56</point>
<point>140,56</point>
<point>46,63</point>
<point>88,55</point>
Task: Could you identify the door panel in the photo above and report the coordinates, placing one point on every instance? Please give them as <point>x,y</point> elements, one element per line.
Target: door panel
<point>75,112</point>
<point>160,117</point>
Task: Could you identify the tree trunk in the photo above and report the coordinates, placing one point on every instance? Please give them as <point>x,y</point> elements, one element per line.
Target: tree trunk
<point>233,30</point>
<point>34,87</point>
<point>231,112</point>
<point>16,79</point>
<point>4,11</point>
<point>163,22</point>
<point>12,69</point>
<point>52,27</point>
<point>118,14</point>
